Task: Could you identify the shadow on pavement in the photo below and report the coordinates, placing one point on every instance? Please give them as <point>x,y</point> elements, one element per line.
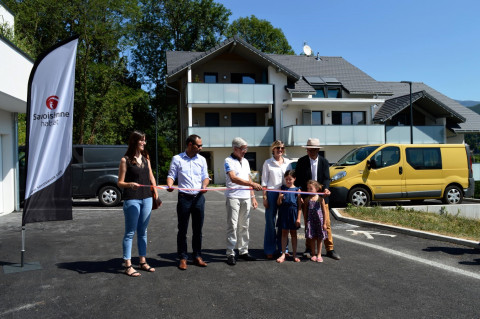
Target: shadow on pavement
<point>458,252</point>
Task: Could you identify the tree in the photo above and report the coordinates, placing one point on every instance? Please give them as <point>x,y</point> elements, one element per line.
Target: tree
<point>261,34</point>
<point>172,25</point>
<point>105,98</point>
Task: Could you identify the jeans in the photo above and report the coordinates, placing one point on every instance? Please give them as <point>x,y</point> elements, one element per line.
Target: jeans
<point>137,215</point>
<point>238,217</point>
<point>271,240</point>
<point>187,205</point>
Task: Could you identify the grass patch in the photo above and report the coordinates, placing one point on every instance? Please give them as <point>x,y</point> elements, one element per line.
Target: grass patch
<point>443,223</point>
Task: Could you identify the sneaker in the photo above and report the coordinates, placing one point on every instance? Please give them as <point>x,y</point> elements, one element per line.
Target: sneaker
<point>332,254</point>
<point>246,257</point>
<point>231,260</point>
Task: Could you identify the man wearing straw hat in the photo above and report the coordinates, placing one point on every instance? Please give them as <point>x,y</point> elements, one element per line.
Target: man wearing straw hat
<point>315,167</point>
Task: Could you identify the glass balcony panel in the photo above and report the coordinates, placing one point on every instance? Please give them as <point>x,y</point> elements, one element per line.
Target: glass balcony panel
<point>298,135</point>
<point>421,134</point>
<point>204,93</point>
<point>223,136</point>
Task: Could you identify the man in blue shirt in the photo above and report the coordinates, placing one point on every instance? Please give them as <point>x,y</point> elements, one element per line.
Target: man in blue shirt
<point>191,170</point>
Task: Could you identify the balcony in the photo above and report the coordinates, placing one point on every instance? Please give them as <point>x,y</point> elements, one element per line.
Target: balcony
<point>223,136</point>
<point>297,135</point>
<point>421,134</point>
<point>216,93</point>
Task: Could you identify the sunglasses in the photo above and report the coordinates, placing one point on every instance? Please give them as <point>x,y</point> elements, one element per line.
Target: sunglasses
<point>279,148</point>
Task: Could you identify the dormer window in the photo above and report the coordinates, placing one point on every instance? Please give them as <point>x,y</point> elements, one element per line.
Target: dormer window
<point>326,87</point>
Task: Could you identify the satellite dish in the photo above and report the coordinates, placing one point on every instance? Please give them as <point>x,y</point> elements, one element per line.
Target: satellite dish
<point>307,50</point>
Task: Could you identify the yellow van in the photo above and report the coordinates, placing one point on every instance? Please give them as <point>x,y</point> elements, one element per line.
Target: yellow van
<point>403,171</point>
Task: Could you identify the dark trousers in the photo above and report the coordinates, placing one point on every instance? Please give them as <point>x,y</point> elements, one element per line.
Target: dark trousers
<point>187,205</point>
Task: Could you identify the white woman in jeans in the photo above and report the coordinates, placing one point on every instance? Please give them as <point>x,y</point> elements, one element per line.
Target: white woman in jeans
<point>272,178</point>
<point>134,171</point>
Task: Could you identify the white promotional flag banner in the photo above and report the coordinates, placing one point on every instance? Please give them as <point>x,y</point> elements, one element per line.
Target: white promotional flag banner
<point>49,135</point>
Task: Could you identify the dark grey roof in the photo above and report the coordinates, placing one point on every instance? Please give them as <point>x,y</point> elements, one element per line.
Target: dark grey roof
<point>468,120</point>
<point>354,80</point>
<point>302,86</point>
<point>182,60</point>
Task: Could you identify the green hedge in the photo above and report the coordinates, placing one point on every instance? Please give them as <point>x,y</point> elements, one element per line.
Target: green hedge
<point>477,190</point>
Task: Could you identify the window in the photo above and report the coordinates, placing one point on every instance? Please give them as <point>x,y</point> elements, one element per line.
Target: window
<point>312,117</point>
<point>424,158</point>
<point>245,78</point>
<point>386,157</point>
<point>251,157</point>
<point>212,119</point>
<point>244,119</point>
<point>317,118</point>
<point>210,77</point>
<point>328,92</point>
<point>348,118</point>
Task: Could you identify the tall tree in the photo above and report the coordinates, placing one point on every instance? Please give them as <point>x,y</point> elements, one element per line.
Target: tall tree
<point>175,25</point>
<point>261,34</point>
<point>105,99</point>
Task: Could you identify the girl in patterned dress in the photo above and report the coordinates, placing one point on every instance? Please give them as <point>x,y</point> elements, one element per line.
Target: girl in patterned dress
<point>314,209</point>
<point>289,214</point>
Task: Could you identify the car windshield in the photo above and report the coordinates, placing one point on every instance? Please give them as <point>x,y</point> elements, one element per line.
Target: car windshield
<point>355,156</point>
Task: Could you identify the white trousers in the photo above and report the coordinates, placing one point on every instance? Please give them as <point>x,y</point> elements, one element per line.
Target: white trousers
<point>238,217</point>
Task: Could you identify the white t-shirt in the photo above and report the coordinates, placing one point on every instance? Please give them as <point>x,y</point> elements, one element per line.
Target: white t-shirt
<point>242,170</point>
<point>272,173</point>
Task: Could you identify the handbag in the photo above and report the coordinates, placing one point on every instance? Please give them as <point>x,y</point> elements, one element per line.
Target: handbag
<point>156,200</point>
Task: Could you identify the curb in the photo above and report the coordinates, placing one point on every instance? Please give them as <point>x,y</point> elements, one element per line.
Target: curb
<point>406,231</point>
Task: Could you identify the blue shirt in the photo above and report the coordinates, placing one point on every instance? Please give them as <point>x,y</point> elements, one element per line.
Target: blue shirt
<point>190,171</point>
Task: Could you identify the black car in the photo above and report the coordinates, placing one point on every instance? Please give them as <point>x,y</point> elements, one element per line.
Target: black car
<point>94,172</point>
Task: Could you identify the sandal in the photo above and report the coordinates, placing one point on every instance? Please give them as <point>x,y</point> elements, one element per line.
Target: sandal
<point>319,260</point>
<point>280,259</point>
<point>296,259</point>
<point>314,258</point>
<point>146,267</point>
<point>132,274</point>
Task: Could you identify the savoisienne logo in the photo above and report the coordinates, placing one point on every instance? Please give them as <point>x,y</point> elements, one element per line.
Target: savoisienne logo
<point>51,103</point>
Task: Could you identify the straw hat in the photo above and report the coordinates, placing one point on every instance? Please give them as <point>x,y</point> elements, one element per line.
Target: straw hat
<point>313,143</point>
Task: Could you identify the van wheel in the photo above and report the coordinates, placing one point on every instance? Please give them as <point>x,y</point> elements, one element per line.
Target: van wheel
<point>358,196</point>
<point>109,196</point>
<point>452,195</point>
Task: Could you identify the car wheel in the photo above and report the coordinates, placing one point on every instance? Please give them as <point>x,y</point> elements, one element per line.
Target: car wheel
<point>109,196</point>
<point>452,195</point>
<point>358,196</point>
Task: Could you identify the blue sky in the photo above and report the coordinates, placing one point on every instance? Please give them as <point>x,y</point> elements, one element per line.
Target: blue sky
<point>432,41</point>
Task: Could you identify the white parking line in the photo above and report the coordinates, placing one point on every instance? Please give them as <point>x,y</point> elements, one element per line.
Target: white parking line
<point>410,257</point>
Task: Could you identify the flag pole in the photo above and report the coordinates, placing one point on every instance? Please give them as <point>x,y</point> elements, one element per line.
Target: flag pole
<point>23,246</point>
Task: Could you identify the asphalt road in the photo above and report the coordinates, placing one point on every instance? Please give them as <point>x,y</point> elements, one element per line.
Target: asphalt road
<point>381,274</point>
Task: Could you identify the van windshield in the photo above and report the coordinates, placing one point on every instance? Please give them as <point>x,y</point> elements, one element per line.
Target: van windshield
<point>356,155</point>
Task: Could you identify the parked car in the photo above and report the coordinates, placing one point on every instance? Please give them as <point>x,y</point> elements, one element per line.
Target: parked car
<point>397,172</point>
<point>94,172</point>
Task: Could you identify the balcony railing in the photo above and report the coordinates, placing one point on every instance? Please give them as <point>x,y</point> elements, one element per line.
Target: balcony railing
<point>421,134</point>
<point>216,93</point>
<point>297,135</point>
<point>223,136</point>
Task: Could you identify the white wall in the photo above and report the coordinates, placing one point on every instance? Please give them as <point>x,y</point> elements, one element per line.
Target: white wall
<point>7,171</point>
<point>6,17</point>
<point>279,80</point>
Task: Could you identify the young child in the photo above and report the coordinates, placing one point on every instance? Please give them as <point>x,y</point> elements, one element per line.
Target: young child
<point>314,211</point>
<point>289,214</point>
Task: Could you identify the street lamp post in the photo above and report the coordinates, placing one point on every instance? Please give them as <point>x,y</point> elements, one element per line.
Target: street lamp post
<point>411,111</point>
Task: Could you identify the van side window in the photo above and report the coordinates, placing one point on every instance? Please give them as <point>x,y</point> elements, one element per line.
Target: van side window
<point>424,158</point>
<point>387,157</point>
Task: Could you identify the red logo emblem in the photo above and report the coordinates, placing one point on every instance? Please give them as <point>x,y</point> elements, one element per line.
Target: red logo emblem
<point>52,102</point>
